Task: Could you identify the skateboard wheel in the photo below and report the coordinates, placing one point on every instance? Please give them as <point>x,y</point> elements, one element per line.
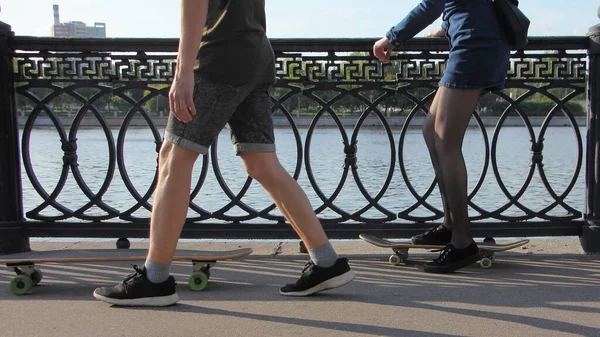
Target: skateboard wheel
<point>395,260</point>
<point>20,284</point>
<point>198,281</point>
<point>485,263</point>
<point>36,277</point>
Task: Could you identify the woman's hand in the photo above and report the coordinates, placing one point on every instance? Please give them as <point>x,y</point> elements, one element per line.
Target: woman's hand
<point>181,98</point>
<point>436,33</point>
<point>382,49</point>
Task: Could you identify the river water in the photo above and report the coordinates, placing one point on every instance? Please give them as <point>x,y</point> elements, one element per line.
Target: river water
<point>327,163</point>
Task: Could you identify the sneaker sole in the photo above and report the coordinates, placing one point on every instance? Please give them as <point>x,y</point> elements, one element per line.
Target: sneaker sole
<point>162,301</point>
<point>448,269</point>
<point>332,283</point>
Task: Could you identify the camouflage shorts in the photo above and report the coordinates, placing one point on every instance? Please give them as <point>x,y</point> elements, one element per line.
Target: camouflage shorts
<point>244,109</point>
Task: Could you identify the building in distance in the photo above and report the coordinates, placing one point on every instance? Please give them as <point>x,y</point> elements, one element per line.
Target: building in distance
<point>76,28</point>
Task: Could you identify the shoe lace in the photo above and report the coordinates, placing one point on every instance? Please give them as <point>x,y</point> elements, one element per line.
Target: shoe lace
<point>444,254</point>
<point>138,275</point>
<point>308,266</point>
<point>432,230</point>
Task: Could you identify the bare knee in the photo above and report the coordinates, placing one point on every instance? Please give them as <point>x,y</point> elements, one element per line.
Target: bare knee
<point>174,155</point>
<point>262,166</point>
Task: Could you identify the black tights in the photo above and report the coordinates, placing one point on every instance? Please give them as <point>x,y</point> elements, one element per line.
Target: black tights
<point>444,130</point>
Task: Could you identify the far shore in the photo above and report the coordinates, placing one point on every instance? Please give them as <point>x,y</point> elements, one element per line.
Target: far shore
<point>303,122</point>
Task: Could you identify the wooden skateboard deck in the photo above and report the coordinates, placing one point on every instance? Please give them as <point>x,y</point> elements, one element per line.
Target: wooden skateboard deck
<point>28,275</point>
<point>401,248</point>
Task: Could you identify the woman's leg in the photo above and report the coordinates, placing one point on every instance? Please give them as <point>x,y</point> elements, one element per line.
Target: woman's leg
<point>454,109</point>
<point>429,135</point>
<point>438,235</point>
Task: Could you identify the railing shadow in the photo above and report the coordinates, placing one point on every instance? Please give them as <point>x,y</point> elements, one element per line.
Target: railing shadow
<point>519,292</point>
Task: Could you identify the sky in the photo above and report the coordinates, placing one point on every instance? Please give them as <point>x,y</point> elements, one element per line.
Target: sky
<point>285,18</point>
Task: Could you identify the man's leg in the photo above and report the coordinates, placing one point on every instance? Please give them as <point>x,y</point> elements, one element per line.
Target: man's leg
<point>289,197</point>
<point>152,285</point>
<point>253,137</point>
<point>171,203</point>
<point>330,271</point>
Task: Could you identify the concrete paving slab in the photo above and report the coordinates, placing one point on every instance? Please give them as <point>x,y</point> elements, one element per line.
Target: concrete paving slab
<point>524,294</point>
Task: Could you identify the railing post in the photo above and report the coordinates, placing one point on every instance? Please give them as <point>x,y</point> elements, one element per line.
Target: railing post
<point>590,232</point>
<point>12,236</point>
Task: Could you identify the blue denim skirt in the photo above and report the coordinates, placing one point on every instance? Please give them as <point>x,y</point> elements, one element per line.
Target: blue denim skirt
<point>479,52</point>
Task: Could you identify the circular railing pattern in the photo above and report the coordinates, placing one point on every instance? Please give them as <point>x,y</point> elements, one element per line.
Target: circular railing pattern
<point>342,77</point>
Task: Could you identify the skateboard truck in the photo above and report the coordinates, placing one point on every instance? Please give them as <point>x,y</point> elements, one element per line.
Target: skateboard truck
<point>400,256</point>
<point>488,258</point>
<point>27,277</point>
<point>200,275</point>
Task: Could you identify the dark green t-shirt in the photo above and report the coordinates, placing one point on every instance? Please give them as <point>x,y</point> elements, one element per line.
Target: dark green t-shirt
<point>235,48</point>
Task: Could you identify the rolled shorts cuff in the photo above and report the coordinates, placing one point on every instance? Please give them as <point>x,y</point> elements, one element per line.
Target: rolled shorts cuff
<point>467,86</point>
<point>253,147</point>
<point>188,144</point>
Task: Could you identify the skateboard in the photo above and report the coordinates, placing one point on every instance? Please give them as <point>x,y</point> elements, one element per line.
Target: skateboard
<point>488,247</point>
<point>24,264</point>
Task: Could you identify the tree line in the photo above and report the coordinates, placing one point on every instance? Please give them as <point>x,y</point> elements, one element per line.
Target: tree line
<point>107,102</point>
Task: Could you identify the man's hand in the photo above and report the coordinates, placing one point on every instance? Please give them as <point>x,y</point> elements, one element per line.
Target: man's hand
<point>181,100</point>
<point>382,49</point>
<point>193,20</point>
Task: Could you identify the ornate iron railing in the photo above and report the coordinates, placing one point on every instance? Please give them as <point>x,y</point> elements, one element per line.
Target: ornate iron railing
<point>328,76</point>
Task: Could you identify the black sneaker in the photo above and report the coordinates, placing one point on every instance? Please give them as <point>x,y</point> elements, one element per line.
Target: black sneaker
<point>451,259</point>
<point>315,279</point>
<point>438,235</point>
<point>137,290</point>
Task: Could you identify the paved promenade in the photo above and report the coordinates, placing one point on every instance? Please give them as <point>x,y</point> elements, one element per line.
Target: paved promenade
<point>548,288</point>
